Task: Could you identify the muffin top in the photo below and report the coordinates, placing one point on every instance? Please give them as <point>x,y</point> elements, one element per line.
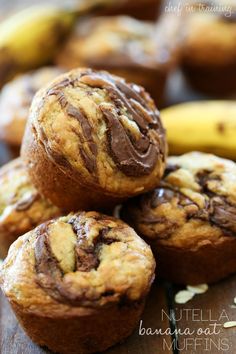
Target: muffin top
<point>194,204</point>
<point>210,33</point>
<point>21,206</point>
<point>101,128</point>
<point>115,42</point>
<point>15,101</point>
<point>76,263</point>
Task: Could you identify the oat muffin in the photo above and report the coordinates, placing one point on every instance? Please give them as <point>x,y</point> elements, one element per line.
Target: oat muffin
<point>141,9</point>
<point>209,49</point>
<point>15,101</point>
<point>136,50</point>
<point>79,283</point>
<point>190,219</point>
<point>99,138</point>
<point>21,206</point>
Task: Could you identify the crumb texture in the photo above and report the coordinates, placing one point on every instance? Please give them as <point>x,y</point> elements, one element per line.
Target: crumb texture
<point>106,130</point>
<point>21,206</point>
<point>84,260</point>
<point>194,204</point>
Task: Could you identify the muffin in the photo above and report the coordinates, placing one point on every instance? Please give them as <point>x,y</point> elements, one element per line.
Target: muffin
<point>78,284</point>
<point>209,49</point>
<point>190,219</point>
<point>21,206</point>
<point>138,51</point>
<point>15,101</point>
<point>99,138</point>
<point>141,9</point>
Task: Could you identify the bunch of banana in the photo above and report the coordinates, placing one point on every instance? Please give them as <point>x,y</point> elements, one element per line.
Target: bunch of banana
<point>208,126</point>
<point>32,37</point>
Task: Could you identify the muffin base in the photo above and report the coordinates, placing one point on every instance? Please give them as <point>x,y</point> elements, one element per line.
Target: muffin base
<point>60,187</point>
<point>81,334</point>
<point>208,263</point>
<point>218,81</point>
<point>6,239</point>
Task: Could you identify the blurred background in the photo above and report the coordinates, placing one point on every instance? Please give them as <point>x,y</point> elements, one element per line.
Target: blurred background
<point>179,51</point>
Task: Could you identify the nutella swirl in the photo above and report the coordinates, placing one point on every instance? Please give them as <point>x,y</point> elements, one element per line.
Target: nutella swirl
<point>87,257</point>
<point>72,111</point>
<point>134,156</point>
<point>149,202</point>
<point>217,209</point>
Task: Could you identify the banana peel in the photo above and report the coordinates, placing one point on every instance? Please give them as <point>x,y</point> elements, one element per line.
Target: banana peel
<point>207,126</point>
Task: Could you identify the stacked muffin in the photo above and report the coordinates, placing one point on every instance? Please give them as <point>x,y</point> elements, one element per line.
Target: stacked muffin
<point>94,141</point>
<point>80,281</point>
<point>189,220</point>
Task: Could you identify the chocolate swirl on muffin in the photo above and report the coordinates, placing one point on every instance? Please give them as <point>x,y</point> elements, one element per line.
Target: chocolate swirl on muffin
<point>204,197</point>
<point>85,136</point>
<point>21,206</point>
<point>97,135</point>
<point>83,277</point>
<point>76,246</point>
<point>217,210</point>
<point>190,219</point>
<point>148,202</point>
<point>134,157</point>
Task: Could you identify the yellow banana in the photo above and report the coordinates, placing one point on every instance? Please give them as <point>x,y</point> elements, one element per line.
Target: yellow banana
<point>31,37</point>
<point>208,126</point>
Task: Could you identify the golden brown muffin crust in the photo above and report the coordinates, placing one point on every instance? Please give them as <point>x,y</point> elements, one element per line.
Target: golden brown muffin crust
<point>96,132</point>
<point>77,263</point>
<point>15,101</point>
<point>81,103</point>
<point>194,205</point>
<point>21,206</point>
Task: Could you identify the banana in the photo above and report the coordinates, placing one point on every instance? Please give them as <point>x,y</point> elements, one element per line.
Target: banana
<point>31,38</point>
<point>208,126</point>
